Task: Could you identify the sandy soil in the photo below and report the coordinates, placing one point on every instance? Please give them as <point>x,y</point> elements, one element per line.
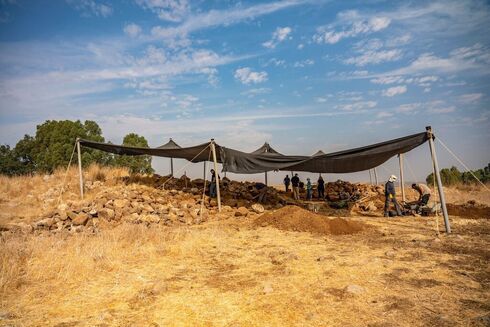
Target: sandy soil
<point>229,273</point>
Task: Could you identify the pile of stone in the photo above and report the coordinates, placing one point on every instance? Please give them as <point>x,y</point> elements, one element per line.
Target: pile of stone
<point>233,193</point>
<point>137,204</point>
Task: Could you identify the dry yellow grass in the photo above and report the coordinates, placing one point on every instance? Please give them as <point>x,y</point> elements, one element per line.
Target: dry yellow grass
<point>226,273</point>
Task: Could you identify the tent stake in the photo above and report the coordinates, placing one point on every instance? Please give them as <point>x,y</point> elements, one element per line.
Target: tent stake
<point>402,180</point>
<point>375,177</point>
<point>213,149</point>
<point>438,179</point>
<point>80,167</point>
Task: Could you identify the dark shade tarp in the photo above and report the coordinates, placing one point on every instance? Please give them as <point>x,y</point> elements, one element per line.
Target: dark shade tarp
<point>234,161</point>
<point>170,145</point>
<point>196,153</point>
<point>347,161</point>
<point>266,148</point>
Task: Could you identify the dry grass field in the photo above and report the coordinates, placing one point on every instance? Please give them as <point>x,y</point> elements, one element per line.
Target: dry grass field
<point>232,272</point>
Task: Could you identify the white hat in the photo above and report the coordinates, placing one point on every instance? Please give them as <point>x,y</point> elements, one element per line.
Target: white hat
<point>392,178</point>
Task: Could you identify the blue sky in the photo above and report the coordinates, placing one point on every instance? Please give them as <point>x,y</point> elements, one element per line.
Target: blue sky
<point>301,75</point>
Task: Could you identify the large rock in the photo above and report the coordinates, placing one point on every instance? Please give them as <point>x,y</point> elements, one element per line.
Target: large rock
<point>106,213</point>
<point>81,219</point>
<point>121,203</point>
<point>149,219</point>
<point>241,212</point>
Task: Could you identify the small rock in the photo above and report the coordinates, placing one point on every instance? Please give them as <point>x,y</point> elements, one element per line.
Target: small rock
<point>47,222</point>
<point>81,219</point>
<point>121,203</point>
<point>106,213</point>
<point>268,288</point>
<point>390,254</point>
<point>257,208</point>
<point>354,289</point>
<point>241,212</point>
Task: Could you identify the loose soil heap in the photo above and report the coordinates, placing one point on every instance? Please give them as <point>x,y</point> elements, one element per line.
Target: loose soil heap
<point>470,209</point>
<point>296,219</point>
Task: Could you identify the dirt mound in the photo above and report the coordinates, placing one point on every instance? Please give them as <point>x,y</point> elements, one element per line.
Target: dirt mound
<point>470,209</point>
<point>296,219</point>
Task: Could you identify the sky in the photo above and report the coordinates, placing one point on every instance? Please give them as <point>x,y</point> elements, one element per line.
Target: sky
<point>301,75</point>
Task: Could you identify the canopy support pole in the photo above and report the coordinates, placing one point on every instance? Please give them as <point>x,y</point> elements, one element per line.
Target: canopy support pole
<point>80,167</point>
<point>370,177</point>
<point>204,173</point>
<point>375,176</point>
<point>172,167</point>
<point>266,184</point>
<point>402,180</point>
<point>213,149</point>
<point>438,179</point>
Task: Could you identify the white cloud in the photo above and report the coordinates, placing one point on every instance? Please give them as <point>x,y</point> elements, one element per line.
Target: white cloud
<point>279,35</point>
<point>398,40</point>
<point>321,100</point>
<point>247,76</point>
<point>384,114</point>
<point>133,30</point>
<point>470,98</point>
<point>91,8</point>
<point>409,108</point>
<point>215,18</point>
<point>395,90</point>
<point>275,62</point>
<point>254,92</point>
<point>168,10</point>
<point>374,57</point>
<point>360,105</point>
<point>300,46</point>
<point>444,110</point>
<point>304,63</point>
<point>350,24</point>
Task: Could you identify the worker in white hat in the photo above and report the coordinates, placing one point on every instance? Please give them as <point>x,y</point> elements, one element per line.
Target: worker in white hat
<point>390,196</point>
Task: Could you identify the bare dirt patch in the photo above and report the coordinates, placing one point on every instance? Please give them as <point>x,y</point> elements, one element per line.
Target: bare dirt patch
<point>292,218</point>
<point>470,209</point>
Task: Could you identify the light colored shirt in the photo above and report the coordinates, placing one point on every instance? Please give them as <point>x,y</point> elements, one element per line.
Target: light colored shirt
<point>424,189</point>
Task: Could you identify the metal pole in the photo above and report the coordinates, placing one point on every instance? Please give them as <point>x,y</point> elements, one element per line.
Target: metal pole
<point>370,177</point>
<point>204,174</point>
<point>402,180</point>
<point>375,176</point>
<point>438,178</point>
<point>80,167</point>
<point>266,179</point>
<point>172,167</point>
<point>213,149</point>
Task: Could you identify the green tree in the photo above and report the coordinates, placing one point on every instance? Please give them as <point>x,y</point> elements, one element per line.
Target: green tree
<point>136,164</point>
<point>54,141</point>
<point>9,165</point>
<point>24,154</point>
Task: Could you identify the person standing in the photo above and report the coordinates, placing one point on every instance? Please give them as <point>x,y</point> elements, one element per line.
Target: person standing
<point>424,193</point>
<point>390,196</point>
<point>295,184</point>
<point>309,188</point>
<point>287,181</point>
<point>212,185</point>
<point>321,188</point>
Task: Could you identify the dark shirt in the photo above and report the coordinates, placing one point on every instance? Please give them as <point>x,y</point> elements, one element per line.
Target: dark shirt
<point>390,188</point>
<point>287,180</point>
<point>321,184</point>
<point>295,181</point>
<point>213,178</point>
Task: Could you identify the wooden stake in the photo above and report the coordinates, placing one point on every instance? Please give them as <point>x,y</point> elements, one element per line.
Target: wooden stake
<point>80,167</point>
<point>438,179</point>
<point>213,149</point>
<point>402,180</point>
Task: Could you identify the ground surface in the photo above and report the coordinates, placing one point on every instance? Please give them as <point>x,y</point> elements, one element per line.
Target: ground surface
<point>235,272</point>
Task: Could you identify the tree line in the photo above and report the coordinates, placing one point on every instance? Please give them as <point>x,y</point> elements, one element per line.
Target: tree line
<point>52,145</point>
<point>452,176</point>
